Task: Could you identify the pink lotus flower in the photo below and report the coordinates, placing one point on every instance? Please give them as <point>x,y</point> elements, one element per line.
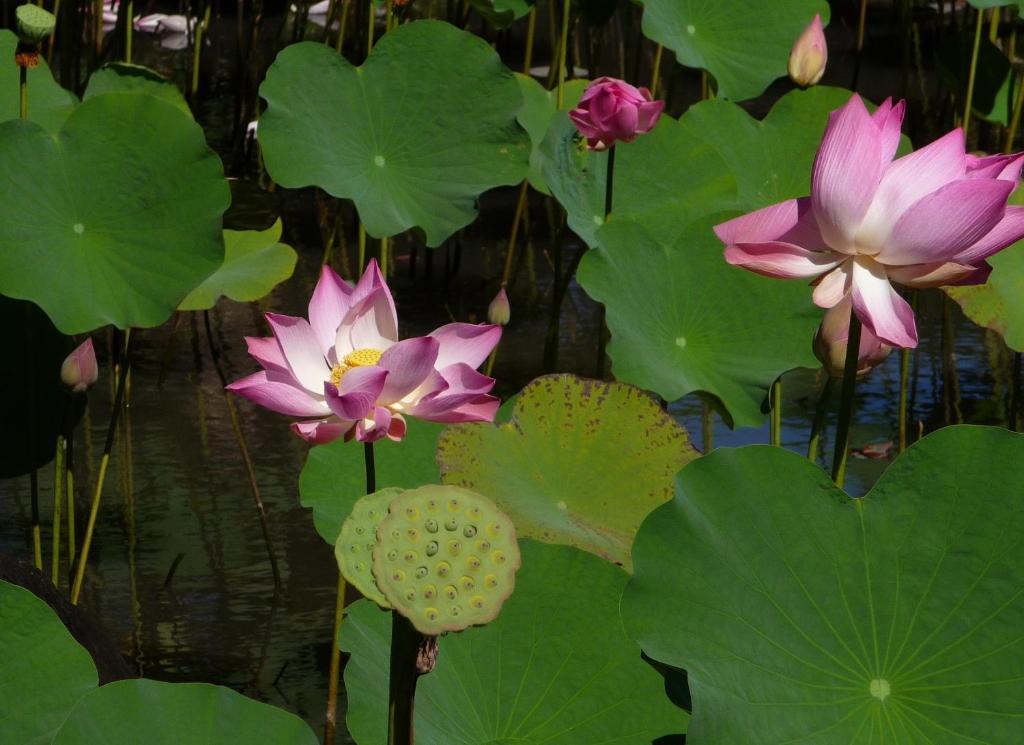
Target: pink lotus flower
<point>614,111</point>
<point>928,219</point>
<point>809,56</point>
<point>830,343</point>
<point>79,369</point>
<point>347,372</point>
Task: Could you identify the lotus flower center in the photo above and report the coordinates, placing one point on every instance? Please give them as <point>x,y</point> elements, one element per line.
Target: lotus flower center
<point>358,358</point>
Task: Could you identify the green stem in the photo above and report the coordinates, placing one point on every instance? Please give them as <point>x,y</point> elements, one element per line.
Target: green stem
<point>37,535</point>
<point>602,330</point>
<point>389,12</point>
<point>510,253</point>
<point>405,645</point>
<point>58,506</point>
<point>818,423</point>
<point>1011,132</point>
<point>23,92</point>
<point>775,425</point>
<point>563,44</point>
<point>707,422</point>
<point>341,27</point>
<point>846,401</point>
<point>972,73</point>
<point>362,247</point>
<point>384,254</point>
<point>197,51</point>
<point>657,69</point>
<point>69,490</point>
<point>129,26</point>
<point>370,25</point>
<point>531,33</point>
<point>94,508</point>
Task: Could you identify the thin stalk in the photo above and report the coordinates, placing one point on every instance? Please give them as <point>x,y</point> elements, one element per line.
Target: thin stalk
<point>362,246</point>
<point>198,49</point>
<point>342,25</point>
<point>562,47</point>
<point>707,426</point>
<point>993,28</point>
<point>58,507</point>
<point>370,25</point>
<point>968,103</point>
<point>129,25</point>
<point>950,378</point>
<point>862,19</point>
<point>1011,132</point>
<point>94,508</point>
<point>23,92</point>
<point>330,725</point>
<point>405,644</point>
<point>37,535</point>
<point>510,252</point>
<point>69,490</point>
<point>531,34</point>
<point>655,74</point>
<point>53,34</point>
<point>389,14</point>
<point>602,329</point>
<point>846,402</point>
<point>775,426</point>
<point>818,423</point>
<point>250,469</point>
<point>384,254</point>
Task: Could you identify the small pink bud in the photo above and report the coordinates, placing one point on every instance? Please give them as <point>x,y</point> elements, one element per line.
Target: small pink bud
<point>809,55</point>
<point>830,342</point>
<point>499,311</point>
<point>80,370</point>
<point>614,111</point>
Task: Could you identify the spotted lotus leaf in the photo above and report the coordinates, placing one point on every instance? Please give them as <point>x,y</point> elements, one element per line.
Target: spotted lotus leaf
<point>446,558</point>
<point>355,544</point>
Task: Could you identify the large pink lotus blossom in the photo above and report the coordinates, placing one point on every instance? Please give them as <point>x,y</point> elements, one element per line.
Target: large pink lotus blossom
<point>928,219</point>
<point>613,111</point>
<point>345,371</point>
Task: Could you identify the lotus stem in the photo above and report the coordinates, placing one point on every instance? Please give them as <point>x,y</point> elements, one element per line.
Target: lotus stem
<point>707,422</point>
<point>775,424</point>
<point>197,50</point>
<point>342,25</point>
<point>531,34</point>
<point>951,380</point>
<point>384,253</point>
<point>562,48</point>
<point>510,252</point>
<point>1011,132</point>
<point>129,24</point>
<point>705,87</point>
<point>69,486</point>
<point>94,508</point>
<point>818,423</point>
<point>250,469</point>
<point>370,25</point>
<point>993,28</point>
<point>37,541</point>
<point>1014,414</point>
<point>972,73</point>
<point>23,92</point>
<point>389,15</point>
<point>59,479</point>
<point>362,246</point>
<point>602,331</point>
<point>405,647</point>
<point>53,34</point>
<point>655,74</point>
<point>846,402</point>
<point>862,19</point>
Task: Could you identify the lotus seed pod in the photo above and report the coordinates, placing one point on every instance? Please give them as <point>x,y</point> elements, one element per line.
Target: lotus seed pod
<point>358,537</point>
<point>34,23</point>
<point>433,563</point>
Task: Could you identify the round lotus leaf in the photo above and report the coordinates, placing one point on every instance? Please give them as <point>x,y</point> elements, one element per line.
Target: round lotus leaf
<point>562,466</point>
<point>45,671</point>
<point>502,13</point>
<point>156,713</point>
<point>34,23</point>
<point>358,537</point>
<point>123,76</point>
<point>803,615</point>
<point>332,480</point>
<point>445,558</point>
<point>114,219</point>
<point>254,263</point>
<point>538,112</point>
<point>744,44</point>
<point>48,104</point>
<point>554,667</point>
<point>413,137</point>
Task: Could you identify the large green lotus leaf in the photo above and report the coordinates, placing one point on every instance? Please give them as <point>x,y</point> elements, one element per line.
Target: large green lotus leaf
<point>48,104</point>
<point>1019,4</point>
<point>539,108</point>
<point>998,304</point>
<point>413,136</point>
<point>744,44</point>
<point>114,219</point>
<point>45,671</point>
<point>554,667</point>
<point>122,76</point>
<point>334,476</point>
<point>805,616</point>
<point>580,462</point>
<point>155,713</point>
<point>254,263</point>
<point>502,13</point>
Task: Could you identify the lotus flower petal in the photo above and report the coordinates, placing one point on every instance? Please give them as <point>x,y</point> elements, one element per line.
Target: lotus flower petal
<point>278,393</point>
<point>409,363</point>
<point>468,343</point>
<point>357,393</point>
<point>321,431</point>
<point>833,287</point>
<point>879,306</point>
<point>301,350</point>
<point>266,351</point>
<point>328,307</point>
<point>781,260</point>
<point>939,274</point>
<point>1007,231</point>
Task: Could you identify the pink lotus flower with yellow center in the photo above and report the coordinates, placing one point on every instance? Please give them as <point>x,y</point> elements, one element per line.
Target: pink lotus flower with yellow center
<point>928,219</point>
<point>348,374</point>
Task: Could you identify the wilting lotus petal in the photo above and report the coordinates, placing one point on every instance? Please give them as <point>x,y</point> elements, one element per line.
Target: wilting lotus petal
<point>927,219</point>
<point>346,367</point>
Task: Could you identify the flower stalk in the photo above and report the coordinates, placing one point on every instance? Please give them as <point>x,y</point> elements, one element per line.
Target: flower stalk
<point>846,402</point>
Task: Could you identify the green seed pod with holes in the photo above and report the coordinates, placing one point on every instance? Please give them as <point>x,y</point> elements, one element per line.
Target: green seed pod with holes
<point>358,537</point>
<point>34,23</point>
<point>446,558</point>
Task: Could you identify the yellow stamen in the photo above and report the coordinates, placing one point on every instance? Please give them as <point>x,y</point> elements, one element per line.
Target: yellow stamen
<point>358,358</point>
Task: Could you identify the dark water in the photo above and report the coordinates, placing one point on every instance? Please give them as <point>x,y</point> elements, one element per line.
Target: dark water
<point>178,496</point>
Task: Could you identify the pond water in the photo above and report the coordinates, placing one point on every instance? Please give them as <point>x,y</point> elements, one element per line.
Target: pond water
<point>179,573</point>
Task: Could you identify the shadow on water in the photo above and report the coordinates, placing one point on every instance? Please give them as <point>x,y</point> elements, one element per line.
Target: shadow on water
<point>179,574</point>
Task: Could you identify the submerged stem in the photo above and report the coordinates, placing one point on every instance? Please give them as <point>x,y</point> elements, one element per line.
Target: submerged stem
<point>94,508</point>
<point>846,401</point>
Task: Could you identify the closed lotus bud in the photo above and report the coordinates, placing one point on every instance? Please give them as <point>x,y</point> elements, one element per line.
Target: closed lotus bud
<point>499,311</point>
<point>80,370</point>
<point>809,55</point>
<point>830,342</point>
<point>34,23</point>
<point>614,111</point>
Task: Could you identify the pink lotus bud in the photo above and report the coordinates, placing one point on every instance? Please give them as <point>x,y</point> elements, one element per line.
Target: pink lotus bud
<point>499,311</point>
<point>809,55</point>
<point>830,342</point>
<point>80,370</point>
<point>614,111</point>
